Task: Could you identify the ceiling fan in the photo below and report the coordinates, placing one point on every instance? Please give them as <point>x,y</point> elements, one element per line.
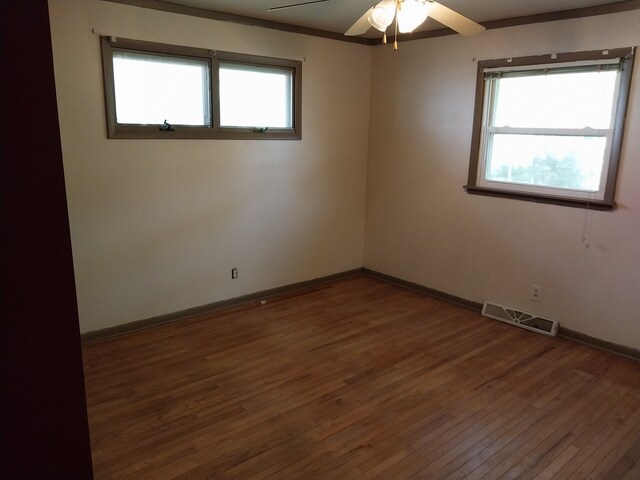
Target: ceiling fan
<point>408,15</point>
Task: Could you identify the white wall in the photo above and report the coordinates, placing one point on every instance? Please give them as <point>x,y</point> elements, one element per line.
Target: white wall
<point>157,225</point>
<point>422,226</point>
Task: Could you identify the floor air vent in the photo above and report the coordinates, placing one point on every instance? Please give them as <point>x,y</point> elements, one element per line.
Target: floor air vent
<point>520,319</point>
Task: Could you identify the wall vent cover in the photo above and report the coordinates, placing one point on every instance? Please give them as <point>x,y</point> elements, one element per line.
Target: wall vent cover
<point>521,319</point>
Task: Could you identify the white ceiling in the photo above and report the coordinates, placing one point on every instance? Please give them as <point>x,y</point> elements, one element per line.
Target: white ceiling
<point>338,15</point>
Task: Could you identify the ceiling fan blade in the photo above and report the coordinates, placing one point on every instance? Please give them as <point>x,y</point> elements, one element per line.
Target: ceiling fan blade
<point>272,9</point>
<point>454,20</point>
<point>362,24</point>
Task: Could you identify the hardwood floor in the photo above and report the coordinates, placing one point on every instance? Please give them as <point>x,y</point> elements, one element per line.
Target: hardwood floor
<point>358,379</point>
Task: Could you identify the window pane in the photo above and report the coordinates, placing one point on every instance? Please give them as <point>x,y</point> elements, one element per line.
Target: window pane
<point>254,96</point>
<point>546,160</point>
<point>150,89</point>
<point>559,100</point>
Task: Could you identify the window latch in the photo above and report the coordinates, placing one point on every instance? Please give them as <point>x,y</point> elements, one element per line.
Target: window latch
<point>166,127</point>
<point>260,129</point>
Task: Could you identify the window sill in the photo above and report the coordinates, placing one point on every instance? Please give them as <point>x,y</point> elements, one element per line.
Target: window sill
<point>603,205</point>
<point>201,133</point>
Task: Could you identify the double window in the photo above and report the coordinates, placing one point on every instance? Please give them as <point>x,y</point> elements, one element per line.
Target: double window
<point>166,91</point>
<point>550,128</point>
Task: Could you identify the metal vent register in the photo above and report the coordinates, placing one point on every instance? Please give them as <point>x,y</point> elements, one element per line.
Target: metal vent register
<point>521,319</point>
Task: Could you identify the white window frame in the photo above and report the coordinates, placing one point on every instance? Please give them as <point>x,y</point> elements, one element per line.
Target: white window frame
<point>241,66</point>
<point>203,64</point>
<point>489,71</point>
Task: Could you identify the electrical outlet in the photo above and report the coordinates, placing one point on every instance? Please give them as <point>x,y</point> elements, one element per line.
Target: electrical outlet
<point>536,293</point>
<point>234,273</point>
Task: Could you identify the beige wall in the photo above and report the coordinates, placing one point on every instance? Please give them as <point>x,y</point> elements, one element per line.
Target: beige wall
<point>422,226</point>
<point>157,225</point>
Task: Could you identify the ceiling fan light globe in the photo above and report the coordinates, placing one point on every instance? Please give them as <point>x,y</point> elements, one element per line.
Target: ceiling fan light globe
<point>411,14</point>
<point>382,14</point>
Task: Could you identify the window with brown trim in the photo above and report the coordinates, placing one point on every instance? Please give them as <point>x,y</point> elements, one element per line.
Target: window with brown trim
<point>549,128</point>
<point>164,91</point>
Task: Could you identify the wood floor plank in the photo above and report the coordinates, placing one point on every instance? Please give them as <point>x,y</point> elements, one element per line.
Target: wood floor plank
<point>602,423</point>
<point>358,379</point>
<point>557,463</point>
<point>496,397</point>
<point>431,454</point>
<point>633,473</point>
<point>628,459</point>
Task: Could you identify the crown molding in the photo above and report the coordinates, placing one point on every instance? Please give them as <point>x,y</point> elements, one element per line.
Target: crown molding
<point>165,6</point>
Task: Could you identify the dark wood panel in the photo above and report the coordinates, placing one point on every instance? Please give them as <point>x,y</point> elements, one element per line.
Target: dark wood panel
<point>44,429</point>
<point>360,379</point>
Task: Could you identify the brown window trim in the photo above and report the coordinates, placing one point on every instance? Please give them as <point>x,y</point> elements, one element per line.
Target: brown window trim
<point>607,203</point>
<point>214,57</point>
